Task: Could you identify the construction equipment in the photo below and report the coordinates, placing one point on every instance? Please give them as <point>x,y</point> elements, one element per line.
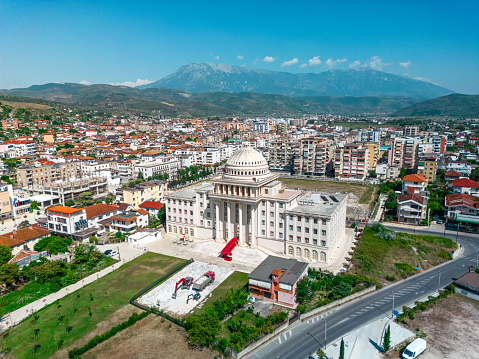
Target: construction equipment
<point>183,283</point>
<point>204,281</point>
<point>226,252</point>
<point>195,296</point>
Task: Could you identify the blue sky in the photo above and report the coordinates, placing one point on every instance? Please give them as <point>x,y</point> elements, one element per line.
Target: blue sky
<point>118,41</point>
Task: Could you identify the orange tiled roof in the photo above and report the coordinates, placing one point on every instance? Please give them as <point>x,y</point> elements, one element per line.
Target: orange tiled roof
<point>63,209</point>
<point>23,235</point>
<point>415,177</point>
<point>99,209</point>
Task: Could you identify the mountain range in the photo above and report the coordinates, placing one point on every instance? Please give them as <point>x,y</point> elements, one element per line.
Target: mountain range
<point>361,81</point>
<point>456,105</point>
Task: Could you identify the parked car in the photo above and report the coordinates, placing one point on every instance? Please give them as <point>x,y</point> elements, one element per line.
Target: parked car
<point>414,349</point>
<point>112,253</point>
<point>107,252</point>
<point>439,221</point>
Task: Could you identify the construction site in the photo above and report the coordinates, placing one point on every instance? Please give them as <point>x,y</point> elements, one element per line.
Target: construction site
<point>185,290</point>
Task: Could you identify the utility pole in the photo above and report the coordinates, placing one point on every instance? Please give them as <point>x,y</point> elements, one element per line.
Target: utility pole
<point>439,282</point>
<point>457,233</point>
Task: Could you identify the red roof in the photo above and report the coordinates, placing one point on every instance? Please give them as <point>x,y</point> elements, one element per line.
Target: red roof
<point>63,209</point>
<point>410,197</point>
<point>151,205</point>
<point>452,173</point>
<point>465,182</point>
<point>99,209</point>
<point>415,177</point>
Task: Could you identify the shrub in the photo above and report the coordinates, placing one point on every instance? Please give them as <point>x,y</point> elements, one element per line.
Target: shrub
<point>405,267</point>
<point>390,278</point>
<point>411,315</point>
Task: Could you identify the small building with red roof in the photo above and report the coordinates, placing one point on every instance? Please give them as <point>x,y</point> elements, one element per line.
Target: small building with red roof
<point>412,208</point>
<point>416,180</point>
<point>66,221</point>
<point>152,207</point>
<point>465,185</point>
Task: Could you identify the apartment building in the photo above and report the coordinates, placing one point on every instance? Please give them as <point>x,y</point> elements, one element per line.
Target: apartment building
<point>427,167</point>
<point>169,165</point>
<point>7,209</point>
<point>369,135</point>
<point>404,152</point>
<point>127,222</point>
<point>281,154</point>
<point>373,148</point>
<point>29,175</point>
<point>412,208</point>
<point>411,131</point>
<point>313,157</point>
<point>146,191</point>
<point>351,161</point>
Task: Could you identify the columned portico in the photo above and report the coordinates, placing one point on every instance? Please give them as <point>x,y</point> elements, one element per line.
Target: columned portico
<point>217,222</point>
<point>240,225</point>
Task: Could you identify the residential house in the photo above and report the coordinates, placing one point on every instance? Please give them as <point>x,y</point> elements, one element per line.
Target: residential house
<point>152,207</point>
<point>418,181</point>
<point>412,208</point>
<point>23,238</point>
<point>128,222</point>
<point>276,279</point>
<point>66,221</point>
<point>98,212</point>
<point>465,185</point>
<point>449,176</point>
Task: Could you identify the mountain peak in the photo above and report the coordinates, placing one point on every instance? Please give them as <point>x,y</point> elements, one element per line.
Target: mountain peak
<point>210,77</point>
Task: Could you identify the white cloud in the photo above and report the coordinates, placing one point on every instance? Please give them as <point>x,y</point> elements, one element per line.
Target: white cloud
<point>240,57</point>
<point>138,82</point>
<point>269,59</point>
<point>217,57</point>
<point>315,61</point>
<point>84,82</point>
<point>376,63</point>
<point>405,64</point>
<point>290,62</point>
<point>355,64</point>
<point>332,63</point>
<point>303,66</point>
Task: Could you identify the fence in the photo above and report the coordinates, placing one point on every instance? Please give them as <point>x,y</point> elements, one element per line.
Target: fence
<point>154,284</point>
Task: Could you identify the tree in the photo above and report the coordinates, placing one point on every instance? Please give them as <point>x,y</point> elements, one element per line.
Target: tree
<point>110,198</point>
<point>402,173</point>
<point>5,254</point>
<point>341,349</point>
<point>302,290</point>
<point>372,174</point>
<point>85,199</point>
<point>202,329</point>
<point>387,339</point>
<point>162,214</point>
<point>33,206</point>
<point>54,244</point>
<point>342,290</point>
<point>9,274</point>
<point>69,202</point>
<point>93,239</point>
<point>24,224</point>
<point>474,174</point>
<point>320,353</point>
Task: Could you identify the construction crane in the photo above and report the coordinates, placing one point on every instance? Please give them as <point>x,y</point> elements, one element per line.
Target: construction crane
<point>183,283</point>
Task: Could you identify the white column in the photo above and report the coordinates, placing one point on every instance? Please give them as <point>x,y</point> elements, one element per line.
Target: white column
<point>228,217</point>
<point>217,221</point>
<point>240,224</point>
<point>254,242</point>
<point>267,218</point>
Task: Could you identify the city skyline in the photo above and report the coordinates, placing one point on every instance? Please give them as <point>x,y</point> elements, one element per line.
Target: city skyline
<point>136,43</point>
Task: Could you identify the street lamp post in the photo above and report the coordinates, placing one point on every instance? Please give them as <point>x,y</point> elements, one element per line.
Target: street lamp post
<point>325,333</point>
<point>457,232</point>
<point>392,311</point>
<point>477,258</point>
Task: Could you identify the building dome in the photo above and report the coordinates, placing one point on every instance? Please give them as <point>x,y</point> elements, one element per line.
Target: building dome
<point>247,165</point>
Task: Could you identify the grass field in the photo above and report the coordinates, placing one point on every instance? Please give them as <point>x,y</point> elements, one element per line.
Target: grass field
<point>75,315</point>
<point>365,193</point>
<point>234,281</point>
<point>33,291</point>
<point>27,105</point>
<point>388,261</point>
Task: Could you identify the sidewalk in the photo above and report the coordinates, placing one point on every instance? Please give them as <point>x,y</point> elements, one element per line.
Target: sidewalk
<point>15,317</point>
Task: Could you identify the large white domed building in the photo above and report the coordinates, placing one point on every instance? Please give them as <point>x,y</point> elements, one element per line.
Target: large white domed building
<point>248,202</point>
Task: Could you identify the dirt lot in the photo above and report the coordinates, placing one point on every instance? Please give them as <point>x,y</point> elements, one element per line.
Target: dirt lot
<point>147,339</point>
<point>450,326</point>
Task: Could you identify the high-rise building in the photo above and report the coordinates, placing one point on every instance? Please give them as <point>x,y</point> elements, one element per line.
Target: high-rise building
<point>281,153</point>
<point>368,135</point>
<point>427,167</point>
<point>351,161</point>
<point>411,131</point>
<point>314,157</point>
<point>404,152</point>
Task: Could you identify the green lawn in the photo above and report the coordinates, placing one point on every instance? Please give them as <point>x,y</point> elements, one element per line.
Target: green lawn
<point>33,291</point>
<point>388,261</point>
<point>101,298</point>
<point>234,281</point>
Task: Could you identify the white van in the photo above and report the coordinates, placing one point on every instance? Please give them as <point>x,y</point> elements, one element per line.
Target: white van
<point>414,349</point>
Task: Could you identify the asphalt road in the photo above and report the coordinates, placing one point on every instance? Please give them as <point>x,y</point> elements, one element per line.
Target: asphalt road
<point>305,338</point>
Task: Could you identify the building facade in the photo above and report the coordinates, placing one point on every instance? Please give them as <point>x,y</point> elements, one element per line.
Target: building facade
<point>351,161</point>
<point>248,202</point>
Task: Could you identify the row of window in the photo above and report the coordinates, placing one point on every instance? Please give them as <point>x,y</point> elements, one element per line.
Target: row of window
<point>306,254</point>
<point>306,240</point>
<point>181,230</point>
<point>179,211</point>
<point>180,202</point>
<point>180,220</point>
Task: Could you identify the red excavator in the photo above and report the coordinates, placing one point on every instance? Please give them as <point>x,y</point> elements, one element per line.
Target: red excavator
<point>183,283</point>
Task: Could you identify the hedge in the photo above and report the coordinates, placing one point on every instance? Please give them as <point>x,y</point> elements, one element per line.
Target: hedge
<point>97,339</point>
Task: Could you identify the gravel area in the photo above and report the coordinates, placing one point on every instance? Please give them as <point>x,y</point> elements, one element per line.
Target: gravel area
<point>161,296</point>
